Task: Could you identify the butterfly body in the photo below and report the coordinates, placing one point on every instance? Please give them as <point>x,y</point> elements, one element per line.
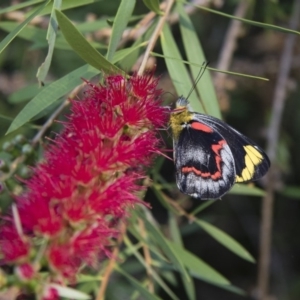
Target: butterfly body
<point>210,156</point>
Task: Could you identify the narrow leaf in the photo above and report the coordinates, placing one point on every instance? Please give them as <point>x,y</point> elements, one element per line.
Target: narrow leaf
<point>80,45</point>
<point>129,62</point>
<point>177,69</point>
<point>226,240</point>
<point>189,287</point>
<point>30,33</point>
<point>119,55</point>
<point>120,22</point>
<point>50,94</point>
<point>6,41</point>
<point>198,268</point>
<point>203,206</point>
<point>19,6</point>
<point>153,5</point>
<point>291,191</point>
<point>168,251</point>
<point>195,53</point>
<point>254,23</point>
<point>239,74</point>
<point>24,94</point>
<point>51,37</point>
<point>153,248</point>
<point>6,118</point>
<point>233,289</point>
<point>92,26</point>
<point>68,4</point>
<point>209,68</point>
<point>137,285</point>
<point>155,276</point>
<point>244,189</point>
<point>162,198</point>
<point>174,229</point>
<point>37,36</point>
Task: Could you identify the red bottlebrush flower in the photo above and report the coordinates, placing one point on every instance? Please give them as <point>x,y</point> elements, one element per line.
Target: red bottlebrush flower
<point>25,271</point>
<point>12,246</point>
<point>50,293</point>
<point>89,178</point>
<point>87,246</point>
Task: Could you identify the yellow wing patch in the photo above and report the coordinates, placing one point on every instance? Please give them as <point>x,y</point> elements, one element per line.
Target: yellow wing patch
<point>252,159</point>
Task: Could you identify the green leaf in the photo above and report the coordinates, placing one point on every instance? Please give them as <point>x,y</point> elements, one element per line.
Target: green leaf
<point>19,6</point>
<point>6,41</point>
<point>81,278</point>
<point>153,248</point>
<point>68,4</point>
<point>203,206</point>
<point>153,5</point>
<point>51,37</point>
<point>132,19</point>
<point>169,276</point>
<point>197,267</point>
<point>37,36</point>
<point>50,94</point>
<point>128,63</point>
<point>177,69</point>
<point>162,198</point>
<point>48,110</point>
<point>254,23</point>
<point>30,33</point>
<point>6,118</point>
<point>174,229</point>
<point>120,22</point>
<point>24,94</point>
<point>243,189</point>
<point>195,54</point>
<point>80,45</point>
<point>91,26</point>
<point>291,191</point>
<point>226,240</point>
<point>233,289</point>
<point>172,255</point>
<point>189,287</point>
<point>137,285</point>
<point>238,74</point>
<point>155,276</point>
<point>209,68</point>
<point>163,243</point>
<point>121,54</point>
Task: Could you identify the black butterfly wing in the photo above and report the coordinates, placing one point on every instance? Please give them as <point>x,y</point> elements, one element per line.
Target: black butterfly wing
<point>251,162</point>
<point>204,162</point>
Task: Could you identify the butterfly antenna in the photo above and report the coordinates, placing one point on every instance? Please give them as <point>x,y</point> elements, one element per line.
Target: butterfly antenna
<point>200,74</point>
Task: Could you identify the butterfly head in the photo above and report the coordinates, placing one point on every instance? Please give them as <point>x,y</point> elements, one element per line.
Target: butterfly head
<point>182,104</point>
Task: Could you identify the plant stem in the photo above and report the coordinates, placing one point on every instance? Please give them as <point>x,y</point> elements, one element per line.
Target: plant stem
<point>155,36</point>
<point>272,143</point>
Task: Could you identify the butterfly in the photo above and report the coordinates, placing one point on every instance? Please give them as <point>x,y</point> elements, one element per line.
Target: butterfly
<point>210,156</point>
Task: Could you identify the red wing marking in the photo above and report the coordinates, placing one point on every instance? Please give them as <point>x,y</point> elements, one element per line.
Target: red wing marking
<point>216,149</point>
<point>201,127</point>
